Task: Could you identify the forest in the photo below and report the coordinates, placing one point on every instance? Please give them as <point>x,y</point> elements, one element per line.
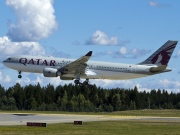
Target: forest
<point>73,98</point>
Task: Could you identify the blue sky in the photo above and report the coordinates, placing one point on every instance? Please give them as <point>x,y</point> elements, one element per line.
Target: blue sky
<point>129,31</point>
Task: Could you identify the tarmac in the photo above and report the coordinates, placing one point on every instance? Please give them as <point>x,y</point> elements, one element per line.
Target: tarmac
<point>22,118</point>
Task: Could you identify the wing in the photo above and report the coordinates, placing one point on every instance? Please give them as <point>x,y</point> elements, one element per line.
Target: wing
<point>78,66</point>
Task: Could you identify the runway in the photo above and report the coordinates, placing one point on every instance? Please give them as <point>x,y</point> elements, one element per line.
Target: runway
<point>23,118</point>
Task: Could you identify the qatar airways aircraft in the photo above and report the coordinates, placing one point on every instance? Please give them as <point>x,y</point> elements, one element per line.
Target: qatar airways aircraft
<point>69,69</point>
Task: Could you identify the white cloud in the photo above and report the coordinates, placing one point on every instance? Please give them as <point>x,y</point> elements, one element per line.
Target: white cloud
<point>124,53</point>
<point>164,84</point>
<point>123,50</point>
<point>100,38</point>
<point>1,78</point>
<point>39,78</point>
<point>138,53</point>
<point>153,4</point>
<point>5,79</point>
<point>54,52</point>
<point>146,85</point>
<point>157,4</point>
<point>178,53</point>
<point>7,48</point>
<point>132,53</point>
<point>113,83</point>
<point>169,84</point>
<point>135,51</point>
<point>34,19</point>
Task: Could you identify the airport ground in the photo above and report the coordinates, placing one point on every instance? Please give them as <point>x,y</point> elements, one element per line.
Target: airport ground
<point>156,122</point>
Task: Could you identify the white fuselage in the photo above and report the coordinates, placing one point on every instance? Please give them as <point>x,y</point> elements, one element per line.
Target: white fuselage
<point>94,69</point>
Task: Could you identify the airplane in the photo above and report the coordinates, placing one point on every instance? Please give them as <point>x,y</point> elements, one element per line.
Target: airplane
<point>71,69</point>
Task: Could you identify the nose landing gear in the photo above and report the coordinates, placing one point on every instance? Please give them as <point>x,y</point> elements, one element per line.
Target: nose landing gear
<point>19,76</point>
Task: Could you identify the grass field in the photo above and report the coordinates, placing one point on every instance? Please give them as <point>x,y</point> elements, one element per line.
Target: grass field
<point>129,127</point>
<point>97,128</point>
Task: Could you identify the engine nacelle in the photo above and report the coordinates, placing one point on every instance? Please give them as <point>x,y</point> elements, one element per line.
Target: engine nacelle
<point>51,72</point>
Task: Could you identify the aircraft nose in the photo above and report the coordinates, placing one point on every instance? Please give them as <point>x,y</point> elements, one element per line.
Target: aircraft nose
<point>4,62</point>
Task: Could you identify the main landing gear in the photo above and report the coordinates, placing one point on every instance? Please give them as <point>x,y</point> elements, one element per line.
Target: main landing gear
<point>84,84</point>
<point>77,82</point>
<point>19,76</point>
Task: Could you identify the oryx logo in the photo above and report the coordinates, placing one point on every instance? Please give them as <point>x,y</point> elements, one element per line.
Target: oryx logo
<point>163,56</point>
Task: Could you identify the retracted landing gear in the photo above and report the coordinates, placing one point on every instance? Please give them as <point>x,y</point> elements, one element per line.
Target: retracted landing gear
<point>19,76</point>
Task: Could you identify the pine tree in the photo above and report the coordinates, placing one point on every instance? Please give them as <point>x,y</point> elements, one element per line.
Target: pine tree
<point>64,102</point>
<point>18,96</point>
<point>116,102</point>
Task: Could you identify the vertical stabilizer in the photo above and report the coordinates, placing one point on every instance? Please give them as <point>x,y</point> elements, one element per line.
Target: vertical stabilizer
<point>162,55</point>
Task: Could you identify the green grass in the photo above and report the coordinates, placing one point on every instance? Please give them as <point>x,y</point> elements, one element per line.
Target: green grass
<point>128,127</point>
<point>158,113</point>
<point>97,128</point>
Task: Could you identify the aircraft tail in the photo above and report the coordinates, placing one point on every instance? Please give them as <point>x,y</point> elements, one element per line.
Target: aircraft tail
<point>162,56</point>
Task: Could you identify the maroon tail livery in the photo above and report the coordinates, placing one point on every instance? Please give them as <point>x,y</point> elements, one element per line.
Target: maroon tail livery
<point>162,55</point>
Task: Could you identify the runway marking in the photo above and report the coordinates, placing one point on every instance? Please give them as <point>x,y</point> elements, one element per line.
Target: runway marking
<point>121,117</point>
<point>135,117</point>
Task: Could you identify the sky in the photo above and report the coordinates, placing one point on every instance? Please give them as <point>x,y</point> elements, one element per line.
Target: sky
<point>122,31</point>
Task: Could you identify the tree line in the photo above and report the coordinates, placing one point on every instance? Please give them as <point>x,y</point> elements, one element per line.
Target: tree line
<point>81,99</point>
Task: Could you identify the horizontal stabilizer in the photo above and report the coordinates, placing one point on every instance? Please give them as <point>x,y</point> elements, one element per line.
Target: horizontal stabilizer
<point>158,69</point>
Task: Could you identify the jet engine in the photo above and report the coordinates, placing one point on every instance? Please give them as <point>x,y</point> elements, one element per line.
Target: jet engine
<point>51,72</point>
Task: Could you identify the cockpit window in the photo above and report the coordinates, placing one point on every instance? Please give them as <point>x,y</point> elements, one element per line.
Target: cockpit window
<point>9,59</point>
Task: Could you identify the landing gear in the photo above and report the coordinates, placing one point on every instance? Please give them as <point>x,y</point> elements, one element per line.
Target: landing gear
<point>84,84</point>
<point>19,76</point>
<point>76,81</point>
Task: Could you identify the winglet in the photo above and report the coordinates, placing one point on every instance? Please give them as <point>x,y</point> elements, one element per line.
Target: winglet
<point>89,53</point>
